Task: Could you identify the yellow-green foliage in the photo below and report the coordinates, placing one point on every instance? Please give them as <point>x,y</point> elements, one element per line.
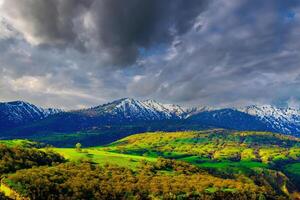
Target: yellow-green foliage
<point>248,154</point>
<point>294,153</point>
<point>273,154</point>
<point>11,193</point>
<point>6,190</point>
<point>133,168</point>
<point>228,153</point>
<point>16,158</point>
<point>212,144</point>
<point>21,143</point>
<point>85,181</point>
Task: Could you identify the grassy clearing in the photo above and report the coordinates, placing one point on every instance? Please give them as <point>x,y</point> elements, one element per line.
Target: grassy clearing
<point>97,155</point>
<point>18,142</point>
<point>225,165</point>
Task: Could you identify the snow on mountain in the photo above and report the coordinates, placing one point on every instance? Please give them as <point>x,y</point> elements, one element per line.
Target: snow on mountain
<point>196,110</point>
<point>140,110</point>
<point>170,110</point>
<point>286,120</point>
<point>264,118</point>
<point>19,112</point>
<point>273,118</point>
<point>283,120</point>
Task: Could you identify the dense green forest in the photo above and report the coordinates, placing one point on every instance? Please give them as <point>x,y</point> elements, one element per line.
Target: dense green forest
<point>212,164</point>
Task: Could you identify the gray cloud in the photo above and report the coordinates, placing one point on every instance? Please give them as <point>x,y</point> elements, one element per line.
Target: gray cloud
<point>245,52</point>
<point>222,53</point>
<point>116,28</point>
<point>45,22</point>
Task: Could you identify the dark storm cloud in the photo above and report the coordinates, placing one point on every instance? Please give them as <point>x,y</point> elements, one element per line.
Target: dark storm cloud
<point>118,27</point>
<point>216,52</point>
<point>245,52</point>
<point>45,22</point>
<point>125,26</point>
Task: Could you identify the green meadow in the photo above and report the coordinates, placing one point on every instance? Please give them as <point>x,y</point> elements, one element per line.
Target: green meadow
<point>263,161</point>
<point>99,156</point>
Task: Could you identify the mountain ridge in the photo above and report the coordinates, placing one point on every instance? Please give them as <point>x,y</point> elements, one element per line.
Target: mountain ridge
<point>16,113</point>
<point>131,111</point>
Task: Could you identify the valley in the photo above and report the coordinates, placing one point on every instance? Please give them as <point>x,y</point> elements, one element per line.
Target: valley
<point>208,164</point>
<point>147,150</point>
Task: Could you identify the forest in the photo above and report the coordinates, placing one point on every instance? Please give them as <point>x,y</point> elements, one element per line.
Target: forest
<point>212,164</point>
<point>165,179</point>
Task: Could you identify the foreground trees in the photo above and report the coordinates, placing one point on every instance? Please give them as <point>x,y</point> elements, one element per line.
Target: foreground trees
<point>16,158</point>
<point>165,179</point>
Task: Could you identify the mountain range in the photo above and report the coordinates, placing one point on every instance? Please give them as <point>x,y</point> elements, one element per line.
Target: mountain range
<point>20,118</point>
<point>18,113</point>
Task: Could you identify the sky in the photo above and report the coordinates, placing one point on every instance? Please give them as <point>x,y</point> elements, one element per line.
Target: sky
<point>79,53</point>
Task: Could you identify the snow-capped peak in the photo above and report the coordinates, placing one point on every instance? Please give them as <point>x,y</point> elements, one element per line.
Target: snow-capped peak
<point>23,111</point>
<point>142,110</point>
<point>196,110</point>
<point>282,119</point>
<point>168,108</point>
<point>268,110</point>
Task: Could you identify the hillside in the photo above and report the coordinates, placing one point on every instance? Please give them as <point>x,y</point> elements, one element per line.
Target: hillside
<point>222,152</point>
<point>210,164</point>
<point>214,144</point>
<point>163,180</point>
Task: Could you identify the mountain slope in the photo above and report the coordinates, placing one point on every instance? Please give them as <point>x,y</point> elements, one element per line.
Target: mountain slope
<point>129,110</point>
<point>283,120</point>
<point>17,113</point>
<point>263,118</point>
<point>257,155</point>
<point>230,119</point>
<point>216,144</point>
<point>136,115</point>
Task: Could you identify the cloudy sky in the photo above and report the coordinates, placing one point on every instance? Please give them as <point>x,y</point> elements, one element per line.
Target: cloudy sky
<point>79,53</point>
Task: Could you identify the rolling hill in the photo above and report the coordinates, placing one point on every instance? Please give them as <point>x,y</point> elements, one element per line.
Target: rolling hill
<point>224,153</point>
<point>208,164</point>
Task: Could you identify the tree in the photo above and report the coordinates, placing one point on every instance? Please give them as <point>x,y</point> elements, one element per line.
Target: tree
<point>78,147</point>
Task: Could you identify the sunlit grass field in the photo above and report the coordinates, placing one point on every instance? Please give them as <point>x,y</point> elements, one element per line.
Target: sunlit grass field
<point>97,155</point>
